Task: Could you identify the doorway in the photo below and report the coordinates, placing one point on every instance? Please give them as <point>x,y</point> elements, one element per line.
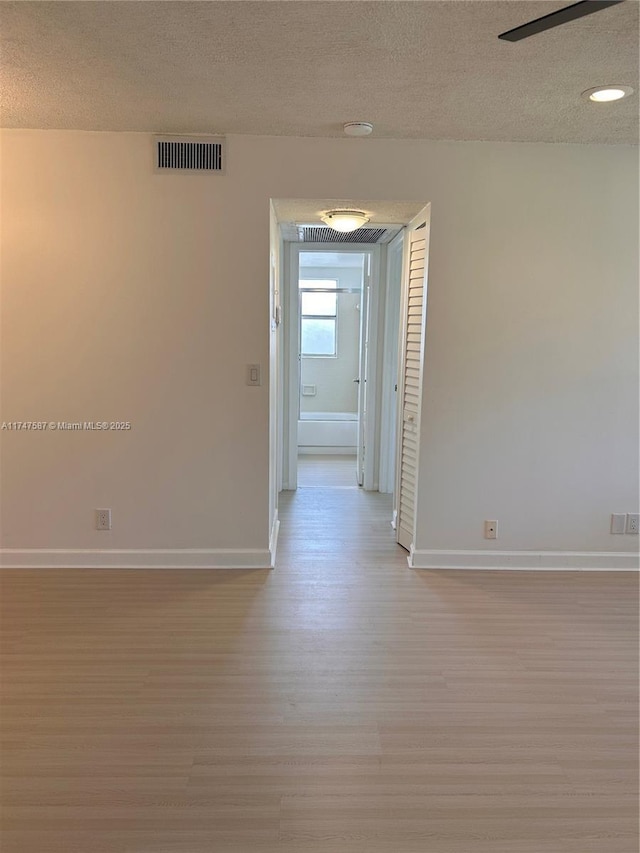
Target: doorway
<point>332,309</point>
<point>362,434</point>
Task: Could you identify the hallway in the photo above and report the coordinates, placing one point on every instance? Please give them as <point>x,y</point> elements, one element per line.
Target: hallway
<point>342,525</point>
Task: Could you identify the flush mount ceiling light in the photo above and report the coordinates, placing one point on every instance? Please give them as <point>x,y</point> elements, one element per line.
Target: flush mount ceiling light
<point>358,128</point>
<point>606,94</point>
<point>345,220</point>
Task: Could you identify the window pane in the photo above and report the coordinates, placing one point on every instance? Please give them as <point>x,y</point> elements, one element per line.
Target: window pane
<point>319,303</point>
<point>318,282</point>
<point>318,337</point>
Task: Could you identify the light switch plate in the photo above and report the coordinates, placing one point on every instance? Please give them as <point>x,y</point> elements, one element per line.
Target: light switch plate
<point>254,374</point>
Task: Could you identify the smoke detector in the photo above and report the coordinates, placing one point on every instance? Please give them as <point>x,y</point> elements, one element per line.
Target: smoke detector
<point>358,128</point>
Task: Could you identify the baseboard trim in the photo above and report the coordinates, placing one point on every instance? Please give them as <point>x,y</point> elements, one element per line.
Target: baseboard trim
<point>597,561</point>
<point>202,558</point>
<point>137,558</point>
<point>273,539</point>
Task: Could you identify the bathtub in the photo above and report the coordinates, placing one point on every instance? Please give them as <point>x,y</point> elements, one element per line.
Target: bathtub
<point>328,432</point>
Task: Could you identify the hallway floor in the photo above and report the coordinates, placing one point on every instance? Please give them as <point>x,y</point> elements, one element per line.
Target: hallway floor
<point>329,472</point>
<point>341,703</point>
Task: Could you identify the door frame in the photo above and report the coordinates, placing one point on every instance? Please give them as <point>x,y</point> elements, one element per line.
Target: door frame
<point>363,358</point>
<point>424,216</point>
<point>291,328</point>
<point>390,365</point>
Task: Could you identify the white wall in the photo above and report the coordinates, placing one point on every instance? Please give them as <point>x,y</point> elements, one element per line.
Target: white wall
<point>138,296</point>
<point>333,377</point>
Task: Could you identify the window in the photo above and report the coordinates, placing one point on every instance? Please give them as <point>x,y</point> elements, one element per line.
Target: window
<point>318,321</point>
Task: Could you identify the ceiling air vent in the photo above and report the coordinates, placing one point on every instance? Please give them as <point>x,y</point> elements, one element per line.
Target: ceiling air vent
<point>318,234</point>
<point>192,154</point>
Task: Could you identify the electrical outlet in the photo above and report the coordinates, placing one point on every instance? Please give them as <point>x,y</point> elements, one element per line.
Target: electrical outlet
<point>632,522</point>
<point>618,522</point>
<point>491,530</point>
<point>103,519</point>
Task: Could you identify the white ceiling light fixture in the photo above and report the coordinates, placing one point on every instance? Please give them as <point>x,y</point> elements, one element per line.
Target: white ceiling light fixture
<point>358,128</point>
<point>606,94</point>
<point>344,220</point>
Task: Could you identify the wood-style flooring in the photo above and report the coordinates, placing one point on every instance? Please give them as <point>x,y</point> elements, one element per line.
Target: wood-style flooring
<point>341,703</point>
<point>328,472</point>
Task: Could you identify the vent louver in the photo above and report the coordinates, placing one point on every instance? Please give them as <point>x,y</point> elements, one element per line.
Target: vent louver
<point>194,155</point>
<point>313,234</point>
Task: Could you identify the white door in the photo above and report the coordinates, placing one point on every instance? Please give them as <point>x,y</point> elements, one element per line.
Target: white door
<point>410,390</point>
<point>363,369</point>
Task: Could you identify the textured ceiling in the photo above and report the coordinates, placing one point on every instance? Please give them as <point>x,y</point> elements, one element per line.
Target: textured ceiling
<point>429,70</point>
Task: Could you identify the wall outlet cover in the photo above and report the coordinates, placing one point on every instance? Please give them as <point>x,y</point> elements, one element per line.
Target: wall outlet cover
<point>491,529</point>
<point>103,519</point>
<point>618,522</point>
<point>632,522</point>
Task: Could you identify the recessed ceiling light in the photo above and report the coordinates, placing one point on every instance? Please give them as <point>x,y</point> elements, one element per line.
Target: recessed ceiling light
<point>358,128</point>
<point>345,220</point>
<point>605,94</point>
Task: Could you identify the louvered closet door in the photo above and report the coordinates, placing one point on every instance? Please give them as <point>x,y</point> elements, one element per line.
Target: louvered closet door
<point>411,386</point>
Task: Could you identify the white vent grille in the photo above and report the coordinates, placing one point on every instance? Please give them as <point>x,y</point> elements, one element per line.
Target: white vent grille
<point>318,234</point>
<point>197,154</point>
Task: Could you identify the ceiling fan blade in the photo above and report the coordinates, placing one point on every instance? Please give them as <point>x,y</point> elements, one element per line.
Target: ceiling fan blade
<point>554,19</point>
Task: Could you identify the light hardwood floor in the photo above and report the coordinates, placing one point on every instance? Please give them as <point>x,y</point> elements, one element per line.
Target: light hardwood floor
<point>328,472</point>
<point>339,704</point>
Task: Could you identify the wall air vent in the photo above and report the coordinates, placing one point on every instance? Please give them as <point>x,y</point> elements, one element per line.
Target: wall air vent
<point>192,154</point>
<point>319,234</point>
